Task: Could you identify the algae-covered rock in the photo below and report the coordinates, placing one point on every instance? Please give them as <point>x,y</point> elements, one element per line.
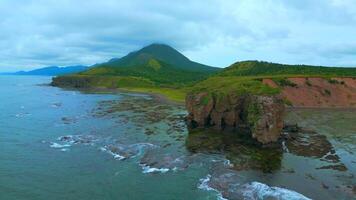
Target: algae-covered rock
<point>262,115</point>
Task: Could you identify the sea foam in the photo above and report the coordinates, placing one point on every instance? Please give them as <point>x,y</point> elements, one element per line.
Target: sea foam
<point>263,191</point>
<point>58,146</point>
<point>252,191</point>
<point>147,169</point>
<point>204,185</point>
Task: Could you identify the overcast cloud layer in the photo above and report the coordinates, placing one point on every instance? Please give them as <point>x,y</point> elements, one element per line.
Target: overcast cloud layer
<point>35,33</point>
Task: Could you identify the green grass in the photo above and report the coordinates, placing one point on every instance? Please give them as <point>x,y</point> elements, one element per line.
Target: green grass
<point>176,95</point>
<point>156,71</point>
<point>144,73</point>
<point>236,85</point>
<point>266,69</point>
<point>133,84</point>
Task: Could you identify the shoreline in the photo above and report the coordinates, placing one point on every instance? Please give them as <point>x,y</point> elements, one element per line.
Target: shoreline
<point>157,96</point>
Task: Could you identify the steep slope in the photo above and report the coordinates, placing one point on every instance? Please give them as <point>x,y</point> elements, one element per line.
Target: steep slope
<point>155,68</point>
<point>152,69</point>
<point>317,92</point>
<point>163,53</point>
<point>158,63</point>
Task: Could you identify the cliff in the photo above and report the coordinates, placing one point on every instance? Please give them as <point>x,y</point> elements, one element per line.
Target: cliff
<point>260,116</point>
<point>316,92</point>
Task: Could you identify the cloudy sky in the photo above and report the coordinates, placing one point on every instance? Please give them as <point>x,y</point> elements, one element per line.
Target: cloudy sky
<point>36,33</point>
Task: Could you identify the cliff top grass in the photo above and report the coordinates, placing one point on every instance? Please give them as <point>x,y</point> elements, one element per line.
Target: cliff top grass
<point>236,85</point>
<point>267,69</point>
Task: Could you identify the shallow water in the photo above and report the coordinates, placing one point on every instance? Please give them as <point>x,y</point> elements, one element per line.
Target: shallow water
<point>60,144</point>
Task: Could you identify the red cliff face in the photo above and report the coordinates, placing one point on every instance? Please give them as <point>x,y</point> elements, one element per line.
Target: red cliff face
<point>319,92</point>
<point>262,116</point>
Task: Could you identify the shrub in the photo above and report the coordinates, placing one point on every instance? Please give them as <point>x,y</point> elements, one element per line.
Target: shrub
<point>308,82</point>
<point>287,102</point>
<point>327,92</point>
<point>283,82</point>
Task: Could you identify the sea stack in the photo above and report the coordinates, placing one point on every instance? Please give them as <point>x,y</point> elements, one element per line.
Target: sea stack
<point>261,116</point>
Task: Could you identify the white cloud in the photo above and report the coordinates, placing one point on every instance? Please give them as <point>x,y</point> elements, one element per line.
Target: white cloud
<point>38,32</point>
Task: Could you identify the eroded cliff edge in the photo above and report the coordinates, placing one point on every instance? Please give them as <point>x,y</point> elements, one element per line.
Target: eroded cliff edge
<point>260,116</point>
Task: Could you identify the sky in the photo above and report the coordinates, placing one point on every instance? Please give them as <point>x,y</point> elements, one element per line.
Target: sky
<point>37,33</point>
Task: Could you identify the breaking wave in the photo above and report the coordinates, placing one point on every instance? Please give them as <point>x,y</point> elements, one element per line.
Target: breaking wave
<point>250,191</point>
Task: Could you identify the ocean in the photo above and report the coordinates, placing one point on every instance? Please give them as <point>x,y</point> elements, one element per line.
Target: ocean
<point>65,144</point>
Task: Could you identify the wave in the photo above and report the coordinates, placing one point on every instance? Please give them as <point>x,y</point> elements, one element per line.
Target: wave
<point>115,155</point>
<point>257,190</point>
<point>147,169</point>
<point>19,115</point>
<point>249,191</point>
<point>204,185</point>
<point>122,151</point>
<point>58,146</point>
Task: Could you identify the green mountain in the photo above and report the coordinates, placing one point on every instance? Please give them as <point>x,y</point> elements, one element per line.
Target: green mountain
<point>156,68</point>
<point>162,53</point>
<point>158,63</point>
<point>259,68</point>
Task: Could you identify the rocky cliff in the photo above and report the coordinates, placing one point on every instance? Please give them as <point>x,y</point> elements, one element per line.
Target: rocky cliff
<point>258,115</point>
<point>72,81</point>
<point>316,92</point>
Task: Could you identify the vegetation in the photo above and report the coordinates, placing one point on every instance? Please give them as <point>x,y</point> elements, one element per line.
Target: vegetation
<point>205,100</point>
<point>176,95</point>
<point>334,81</point>
<point>156,71</point>
<point>133,84</point>
<point>267,69</point>
<point>163,53</point>
<point>287,102</point>
<point>283,82</point>
<point>308,82</point>
<point>161,69</point>
<point>327,92</point>
<point>236,85</point>
<point>254,113</point>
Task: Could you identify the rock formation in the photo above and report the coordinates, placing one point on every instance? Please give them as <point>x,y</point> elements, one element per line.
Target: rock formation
<point>261,116</point>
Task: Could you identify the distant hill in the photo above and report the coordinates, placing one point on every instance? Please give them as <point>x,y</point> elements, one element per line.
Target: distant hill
<point>52,71</point>
<point>260,68</point>
<point>158,63</point>
<point>163,53</point>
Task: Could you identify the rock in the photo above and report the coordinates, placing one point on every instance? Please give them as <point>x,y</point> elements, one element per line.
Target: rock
<point>261,115</point>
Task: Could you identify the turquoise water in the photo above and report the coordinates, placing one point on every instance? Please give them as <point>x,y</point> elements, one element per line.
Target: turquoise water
<point>61,144</point>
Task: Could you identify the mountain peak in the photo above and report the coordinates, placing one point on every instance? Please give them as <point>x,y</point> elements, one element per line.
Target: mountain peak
<point>162,53</point>
<point>158,45</point>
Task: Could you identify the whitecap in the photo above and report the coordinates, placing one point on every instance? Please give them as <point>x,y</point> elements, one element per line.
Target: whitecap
<point>284,147</point>
<point>257,190</point>
<point>56,105</point>
<point>147,169</point>
<point>65,149</point>
<point>115,155</point>
<point>228,163</point>
<point>59,146</point>
<point>22,115</point>
<point>204,185</point>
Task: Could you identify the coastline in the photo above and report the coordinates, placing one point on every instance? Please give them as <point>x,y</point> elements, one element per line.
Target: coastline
<point>160,97</point>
